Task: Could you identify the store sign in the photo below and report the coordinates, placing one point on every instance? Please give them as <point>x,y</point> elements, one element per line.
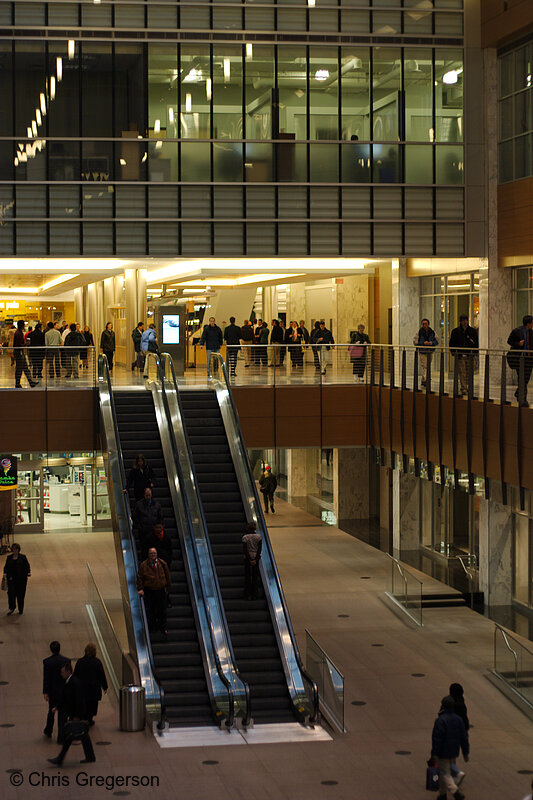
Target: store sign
<point>8,472</point>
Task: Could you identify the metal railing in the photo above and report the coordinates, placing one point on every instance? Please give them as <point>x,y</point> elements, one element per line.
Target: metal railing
<point>329,679</point>
<point>405,590</point>
<point>48,367</point>
<point>513,663</point>
<point>469,564</point>
<point>302,688</point>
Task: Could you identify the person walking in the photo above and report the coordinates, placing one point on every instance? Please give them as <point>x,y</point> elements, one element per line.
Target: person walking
<point>53,342</point>
<point>232,336</point>
<point>464,344</point>
<point>140,477</point>
<point>324,338</point>
<point>449,737</point>
<point>268,485</point>
<point>85,352</point>
<point>426,341</point>
<point>153,583</point>
<point>72,708</point>
<point>16,572</point>
<point>247,339</point>
<point>212,338</point>
<point>312,338</point>
<point>262,341</point>
<point>161,541</point>
<point>276,339</point>
<point>107,344</point>
<point>10,338</point>
<point>136,336</point>
<point>255,350</point>
<point>521,343</point>
<point>293,338</point>
<point>457,692</point>
<point>73,342</point>
<point>282,350</point>
<point>359,342</point>
<point>21,364</point>
<point>36,342</point>
<point>90,671</point>
<point>146,513</point>
<point>148,345</point>
<point>305,332</point>
<point>53,687</point>
<point>252,545</point>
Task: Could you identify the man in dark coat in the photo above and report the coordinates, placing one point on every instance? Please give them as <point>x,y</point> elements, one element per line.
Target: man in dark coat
<point>448,739</point>
<point>212,338</point>
<point>17,571</point>
<point>136,336</point>
<point>252,544</point>
<point>465,338</point>
<point>161,541</point>
<point>521,340</point>
<point>153,583</point>
<point>21,365</point>
<point>147,513</point>
<point>90,671</point>
<point>72,707</point>
<point>53,686</point>
<point>232,336</point>
<point>74,340</point>
<point>268,484</point>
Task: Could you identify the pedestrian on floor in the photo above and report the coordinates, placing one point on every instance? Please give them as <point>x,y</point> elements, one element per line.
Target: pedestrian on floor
<point>73,342</point>
<point>53,687</point>
<point>282,350</point>
<point>107,343</point>
<point>232,336</point>
<point>268,485</point>
<point>10,338</point>
<point>90,671</point>
<point>305,332</point>
<point>247,340</point>
<point>141,476</point>
<point>153,583</point>
<point>252,544</point>
<point>16,572</point>
<point>53,342</point>
<point>161,541</point>
<point>325,339</point>
<point>212,338</point>
<point>146,513</point>
<point>464,345</point>
<point>293,338</point>
<point>312,338</point>
<point>65,330</point>
<point>449,737</point>
<point>148,345</point>
<point>255,350</point>
<point>456,691</point>
<point>262,350</point>
<point>359,342</point>
<point>426,341</point>
<point>72,709</point>
<point>521,343</point>
<point>84,352</point>
<point>276,339</point>
<point>21,364</point>
<point>136,336</point>
<point>36,342</point>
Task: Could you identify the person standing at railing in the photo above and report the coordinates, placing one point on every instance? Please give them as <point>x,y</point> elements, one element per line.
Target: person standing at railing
<point>466,338</point>
<point>262,358</point>
<point>426,341</point>
<point>89,342</point>
<point>52,339</point>
<point>521,340</point>
<point>325,338</point>
<point>247,340</point>
<point>21,365</point>
<point>212,338</point>
<point>107,343</point>
<point>293,338</point>
<point>255,351</point>
<point>232,336</point>
<point>276,339</point>
<point>73,341</point>
<point>312,338</point>
<point>359,342</point>
<point>36,341</point>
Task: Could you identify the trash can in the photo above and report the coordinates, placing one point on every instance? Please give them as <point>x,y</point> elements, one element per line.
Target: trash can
<point>132,710</point>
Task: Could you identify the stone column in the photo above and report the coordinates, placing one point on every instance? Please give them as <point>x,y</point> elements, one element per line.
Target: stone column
<point>495,553</point>
<point>135,300</point>
<point>350,483</point>
<point>79,310</point>
<point>405,513</point>
<point>405,304</point>
<point>351,303</point>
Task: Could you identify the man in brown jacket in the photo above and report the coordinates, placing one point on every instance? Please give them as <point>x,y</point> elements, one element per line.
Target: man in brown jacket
<point>153,583</point>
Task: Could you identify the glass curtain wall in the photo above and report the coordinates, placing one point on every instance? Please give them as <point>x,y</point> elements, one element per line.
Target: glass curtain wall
<point>516,113</point>
<point>444,299</point>
<point>523,292</point>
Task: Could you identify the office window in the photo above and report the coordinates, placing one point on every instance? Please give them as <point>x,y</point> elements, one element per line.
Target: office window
<point>196,92</point>
<point>449,95</point>
<point>516,114</point>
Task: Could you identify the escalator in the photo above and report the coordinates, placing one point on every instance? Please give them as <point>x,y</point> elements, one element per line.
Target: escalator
<point>257,650</point>
<point>178,662</point>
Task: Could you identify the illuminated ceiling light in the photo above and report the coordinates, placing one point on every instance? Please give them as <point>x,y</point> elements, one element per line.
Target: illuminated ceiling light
<point>59,69</point>
<point>227,69</point>
<point>157,126</point>
<point>158,145</point>
<point>321,75</point>
<point>249,50</point>
<point>23,157</point>
<point>143,159</point>
<point>29,132</point>
<point>171,114</point>
<point>34,127</point>
<point>97,2</point>
<point>55,281</point>
<point>123,162</point>
<point>16,161</point>
<point>188,103</point>
<point>38,117</point>
<point>450,77</point>
<point>71,49</point>
<point>18,290</point>
<point>208,89</point>
<point>52,88</point>
<point>42,100</point>
<point>311,3</point>
<point>193,76</point>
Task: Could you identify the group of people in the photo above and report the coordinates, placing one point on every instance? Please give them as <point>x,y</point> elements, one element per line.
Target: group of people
<point>448,740</point>
<point>72,696</point>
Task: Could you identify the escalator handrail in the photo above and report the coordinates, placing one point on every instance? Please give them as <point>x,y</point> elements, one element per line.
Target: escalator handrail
<point>264,532</point>
<point>203,526</point>
<point>143,644</point>
<point>223,678</point>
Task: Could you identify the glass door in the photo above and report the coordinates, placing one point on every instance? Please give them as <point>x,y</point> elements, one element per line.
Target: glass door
<point>29,499</point>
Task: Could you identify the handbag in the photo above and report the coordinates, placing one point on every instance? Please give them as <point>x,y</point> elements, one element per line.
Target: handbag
<point>4,583</point>
<point>75,728</point>
<point>356,351</point>
<point>432,776</point>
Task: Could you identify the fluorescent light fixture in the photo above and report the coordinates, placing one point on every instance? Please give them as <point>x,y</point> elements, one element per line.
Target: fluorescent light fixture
<point>122,162</point>
<point>18,290</point>
<point>159,145</point>
<point>193,76</point>
<point>321,74</point>
<point>16,161</point>
<point>34,127</point>
<point>311,3</point>
<point>71,49</point>
<point>171,114</point>
<point>188,103</point>
<point>23,157</point>
<point>56,281</point>
<point>208,89</point>
<point>249,50</point>
<point>59,69</point>
<point>450,77</point>
<point>143,159</point>
<point>38,117</point>
<point>29,132</point>
<point>227,69</point>
<point>157,126</point>
<point>52,88</point>
<point>42,100</point>
<point>40,266</point>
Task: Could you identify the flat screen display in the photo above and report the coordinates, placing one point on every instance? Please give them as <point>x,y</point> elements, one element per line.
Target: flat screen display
<point>171,328</point>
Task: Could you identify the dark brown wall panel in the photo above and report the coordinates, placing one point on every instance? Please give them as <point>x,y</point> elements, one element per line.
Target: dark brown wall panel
<point>258,432</point>
<point>303,431</point>
<point>344,431</point>
<point>504,20</point>
<point>254,401</point>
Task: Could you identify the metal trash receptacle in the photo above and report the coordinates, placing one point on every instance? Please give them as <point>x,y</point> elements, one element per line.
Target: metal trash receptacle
<point>132,708</point>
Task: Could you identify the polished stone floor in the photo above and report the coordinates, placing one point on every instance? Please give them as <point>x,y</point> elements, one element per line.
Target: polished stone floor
<point>395,676</point>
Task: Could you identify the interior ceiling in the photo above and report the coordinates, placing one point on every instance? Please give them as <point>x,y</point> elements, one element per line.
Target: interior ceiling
<point>14,280</point>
